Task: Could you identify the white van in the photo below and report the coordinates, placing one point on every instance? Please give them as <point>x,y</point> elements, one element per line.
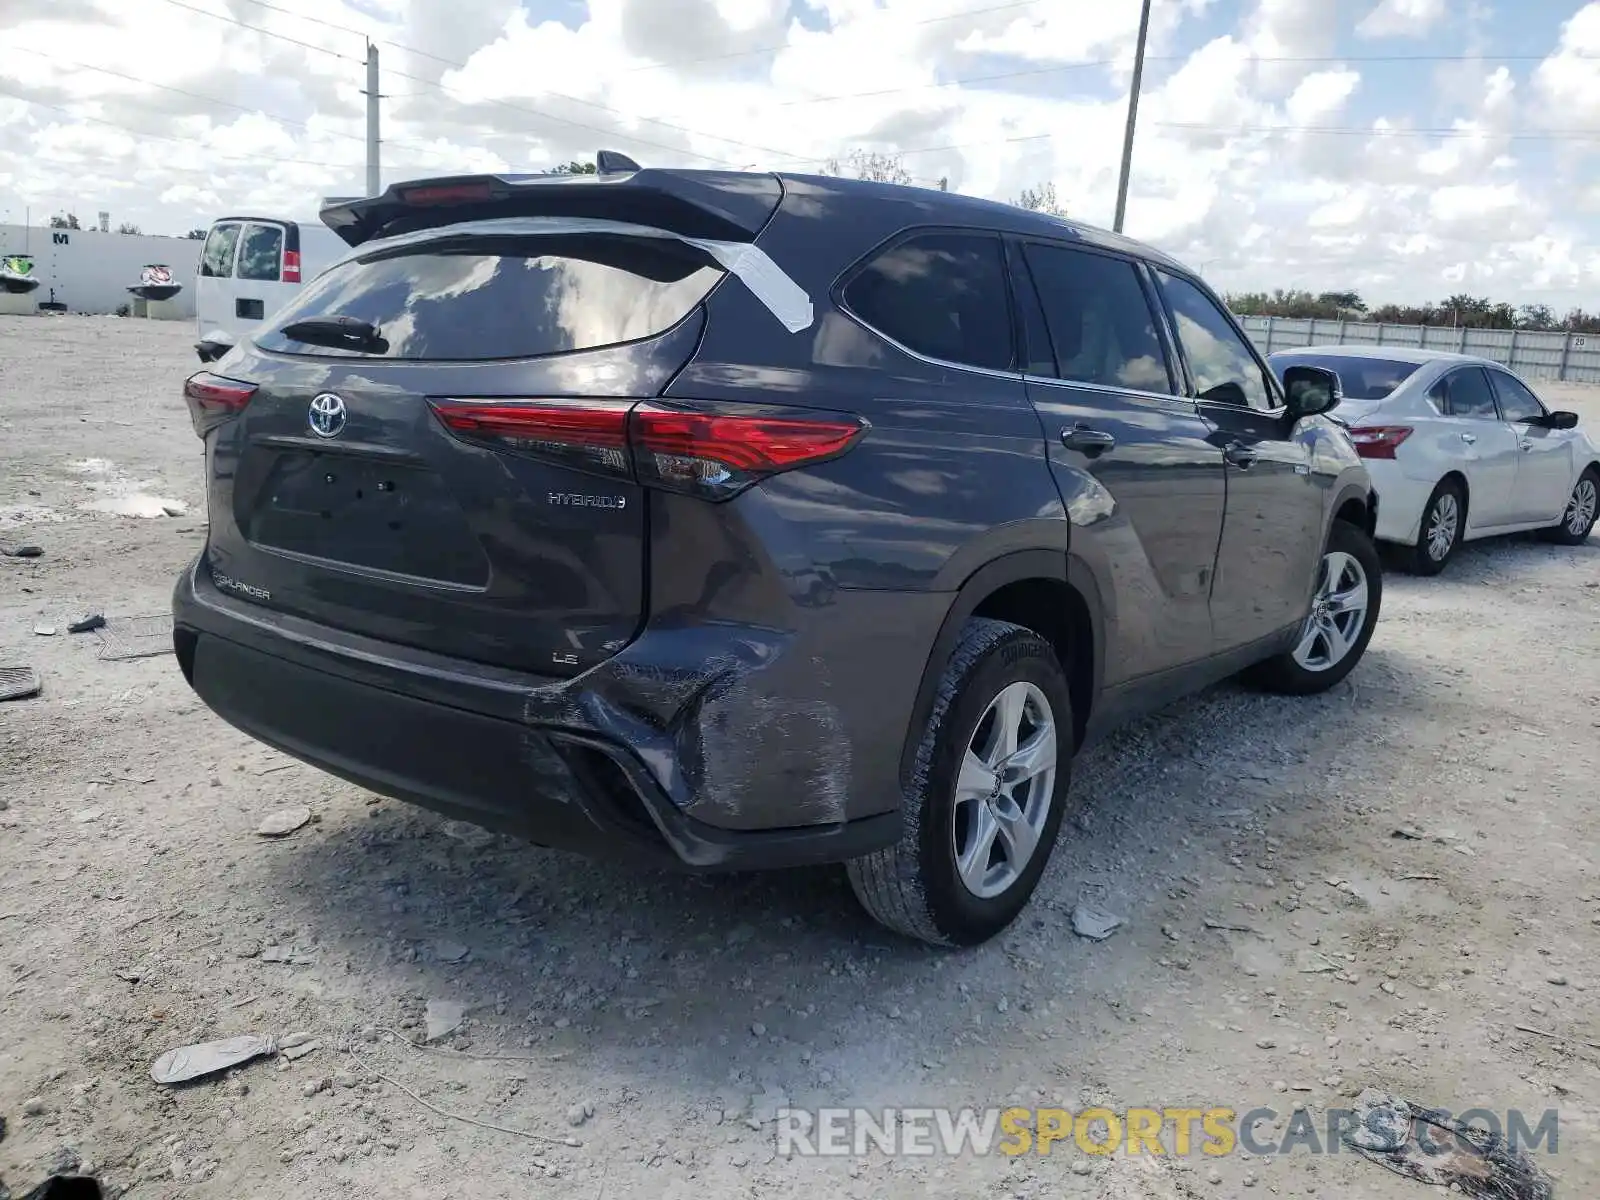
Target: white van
<point>249,268</point>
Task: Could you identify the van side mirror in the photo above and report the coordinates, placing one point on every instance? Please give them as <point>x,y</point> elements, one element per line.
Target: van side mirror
<point>1310,391</point>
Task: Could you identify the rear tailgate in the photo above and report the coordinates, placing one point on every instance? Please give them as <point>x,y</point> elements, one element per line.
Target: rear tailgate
<point>461,484</point>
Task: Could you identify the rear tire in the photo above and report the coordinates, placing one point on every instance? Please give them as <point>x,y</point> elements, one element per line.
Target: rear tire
<point>1583,506</point>
<point>1344,612</point>
<point>975,841</point>
<point>1444,519</point>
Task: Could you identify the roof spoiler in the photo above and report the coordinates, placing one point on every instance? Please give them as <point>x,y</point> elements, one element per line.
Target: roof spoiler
<point>723,205</point>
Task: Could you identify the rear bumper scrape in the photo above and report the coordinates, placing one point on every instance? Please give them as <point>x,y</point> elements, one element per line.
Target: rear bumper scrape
<point>550,761</point>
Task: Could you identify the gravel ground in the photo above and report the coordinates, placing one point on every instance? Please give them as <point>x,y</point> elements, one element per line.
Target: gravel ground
<point>139,910</point>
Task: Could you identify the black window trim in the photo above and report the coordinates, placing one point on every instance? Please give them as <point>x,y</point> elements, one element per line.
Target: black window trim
<point>1494,372</point>
<point>1269,377</point>
<point>836,294</point>
<point>1176,379</point>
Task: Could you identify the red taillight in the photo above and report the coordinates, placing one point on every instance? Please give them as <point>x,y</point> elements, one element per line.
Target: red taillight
<point>581,433</point>
<point>720,454</point>
<point>448,193</point>
<point>1379,441</point>
<point>291,266</point>
<point>714,455</point>
<point>213,399</point>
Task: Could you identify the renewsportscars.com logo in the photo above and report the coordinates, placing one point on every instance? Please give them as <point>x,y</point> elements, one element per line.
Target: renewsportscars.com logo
<point>1178,1132</point>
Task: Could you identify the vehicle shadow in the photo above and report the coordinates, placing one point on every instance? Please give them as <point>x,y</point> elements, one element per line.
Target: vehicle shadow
<point>692,985</point>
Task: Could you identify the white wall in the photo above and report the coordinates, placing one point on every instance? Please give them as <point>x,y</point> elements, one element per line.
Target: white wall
<point>91,272</point>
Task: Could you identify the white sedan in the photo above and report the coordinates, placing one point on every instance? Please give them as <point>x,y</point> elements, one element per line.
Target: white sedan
<point>1458,448</point>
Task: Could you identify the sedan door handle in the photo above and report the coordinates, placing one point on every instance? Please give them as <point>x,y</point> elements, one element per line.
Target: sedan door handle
<point>1089,441</point>
<point>1527,445</point>
<point>1470,439</point>
<point>1240,455</point>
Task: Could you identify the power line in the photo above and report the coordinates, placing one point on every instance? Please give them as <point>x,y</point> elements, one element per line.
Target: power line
<point>461,66</point>
<point>190,143</point>
<point>265,32</point>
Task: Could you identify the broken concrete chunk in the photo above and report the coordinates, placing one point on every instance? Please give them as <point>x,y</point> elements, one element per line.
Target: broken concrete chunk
<point>284,822</point>
<point>1094,923</point>
<point>442,1018</point>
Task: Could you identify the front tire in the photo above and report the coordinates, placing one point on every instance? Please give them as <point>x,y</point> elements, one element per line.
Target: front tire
<point>1582,508</point>
<point>987,793</point>
<point>1444,518</point>
<point>1344,612</point>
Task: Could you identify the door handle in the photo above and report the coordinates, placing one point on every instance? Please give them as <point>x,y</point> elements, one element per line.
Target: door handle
<point>1527,446</point>
<point>1240,455</point>
<point>1470,439</point>
<point>1089,441</point>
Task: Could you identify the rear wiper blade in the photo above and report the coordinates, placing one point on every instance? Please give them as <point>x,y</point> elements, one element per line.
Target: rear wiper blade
<point>342,333</point>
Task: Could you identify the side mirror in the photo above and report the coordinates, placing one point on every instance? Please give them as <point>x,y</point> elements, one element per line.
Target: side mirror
<point>1561,420</point>
<point>1310,391</point>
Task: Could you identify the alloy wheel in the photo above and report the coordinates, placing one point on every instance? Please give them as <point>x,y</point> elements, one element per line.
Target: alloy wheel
<point>1581,508</point>
<point>1338,611</point>
<point>1004,790</point>
<point>1443,524</point>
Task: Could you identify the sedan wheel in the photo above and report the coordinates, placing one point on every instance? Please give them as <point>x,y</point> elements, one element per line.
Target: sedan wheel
<point>1443,521</point>
<point>1338,613</point>
<point>1582,508</point>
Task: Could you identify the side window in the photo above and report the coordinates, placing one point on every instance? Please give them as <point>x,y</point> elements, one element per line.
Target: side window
<point>1100,322</point>
<point>942,295</point>
<point>1464,393</point>
<point>1517,403</point>
<point>1223,365</point>
<point>217,256</point>
<point>261,253</point>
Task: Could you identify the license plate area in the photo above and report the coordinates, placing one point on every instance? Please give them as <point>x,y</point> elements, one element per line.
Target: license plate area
<point>366,513</point>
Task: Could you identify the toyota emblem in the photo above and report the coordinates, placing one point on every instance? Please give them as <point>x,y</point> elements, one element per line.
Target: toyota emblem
<point>327,415</point>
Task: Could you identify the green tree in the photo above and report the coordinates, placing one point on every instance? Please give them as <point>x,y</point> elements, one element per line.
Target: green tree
<point>65,221</point>
<point>1041,199</point>
<point>573,168</point>
<point>869,164</point>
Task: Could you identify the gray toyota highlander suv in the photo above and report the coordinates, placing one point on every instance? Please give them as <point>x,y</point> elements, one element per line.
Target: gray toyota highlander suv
<point>737,521</point>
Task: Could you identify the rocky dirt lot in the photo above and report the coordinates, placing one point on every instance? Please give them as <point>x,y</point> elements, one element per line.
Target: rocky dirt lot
<point>140,910</point>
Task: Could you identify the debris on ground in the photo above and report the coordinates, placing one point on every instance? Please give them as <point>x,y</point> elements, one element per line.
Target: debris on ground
<point>1309,962</point>
<point>450,952</point>
<point>45,630</point>
<point>207,1058</point>
<point>1430,1146</point>
<point>442,1018</point>
<point>18,683</point>
<point>135,637</point>
<point>34,1106</point>
<point>284,822</point>
<point>22,551</point>
<point>1094,923</point>
<point>89,623</point>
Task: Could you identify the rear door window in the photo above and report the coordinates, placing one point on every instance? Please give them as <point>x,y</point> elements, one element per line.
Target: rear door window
<point>216,257</point>
<point>942,295</point>
<point>1465,393</point>
<point>1100,323</point>
<point>261,253</point>
<point>476,297</point>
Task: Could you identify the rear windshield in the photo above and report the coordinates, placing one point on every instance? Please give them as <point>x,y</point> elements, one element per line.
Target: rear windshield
<point>1359,378</point>
<point>484,297</point>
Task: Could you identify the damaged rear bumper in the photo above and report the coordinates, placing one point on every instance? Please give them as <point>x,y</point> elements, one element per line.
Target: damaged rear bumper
<point>556,761</point>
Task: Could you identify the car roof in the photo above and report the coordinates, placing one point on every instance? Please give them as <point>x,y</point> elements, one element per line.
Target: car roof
<point>1406,354</point>
<point>955,209</point>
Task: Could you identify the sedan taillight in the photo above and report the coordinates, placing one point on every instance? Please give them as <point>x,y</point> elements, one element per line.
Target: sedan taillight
<point>1379,441</point>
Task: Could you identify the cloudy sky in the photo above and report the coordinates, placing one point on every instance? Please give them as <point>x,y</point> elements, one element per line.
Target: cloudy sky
<point>1404,148</point>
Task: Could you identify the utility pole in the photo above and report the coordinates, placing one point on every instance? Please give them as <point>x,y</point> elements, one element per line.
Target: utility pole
<point>373,185</point>
<point>1133,118</point>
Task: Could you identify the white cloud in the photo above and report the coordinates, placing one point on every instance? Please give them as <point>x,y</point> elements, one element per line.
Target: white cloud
<point>1226,174</point>
<point>1402,18</point>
